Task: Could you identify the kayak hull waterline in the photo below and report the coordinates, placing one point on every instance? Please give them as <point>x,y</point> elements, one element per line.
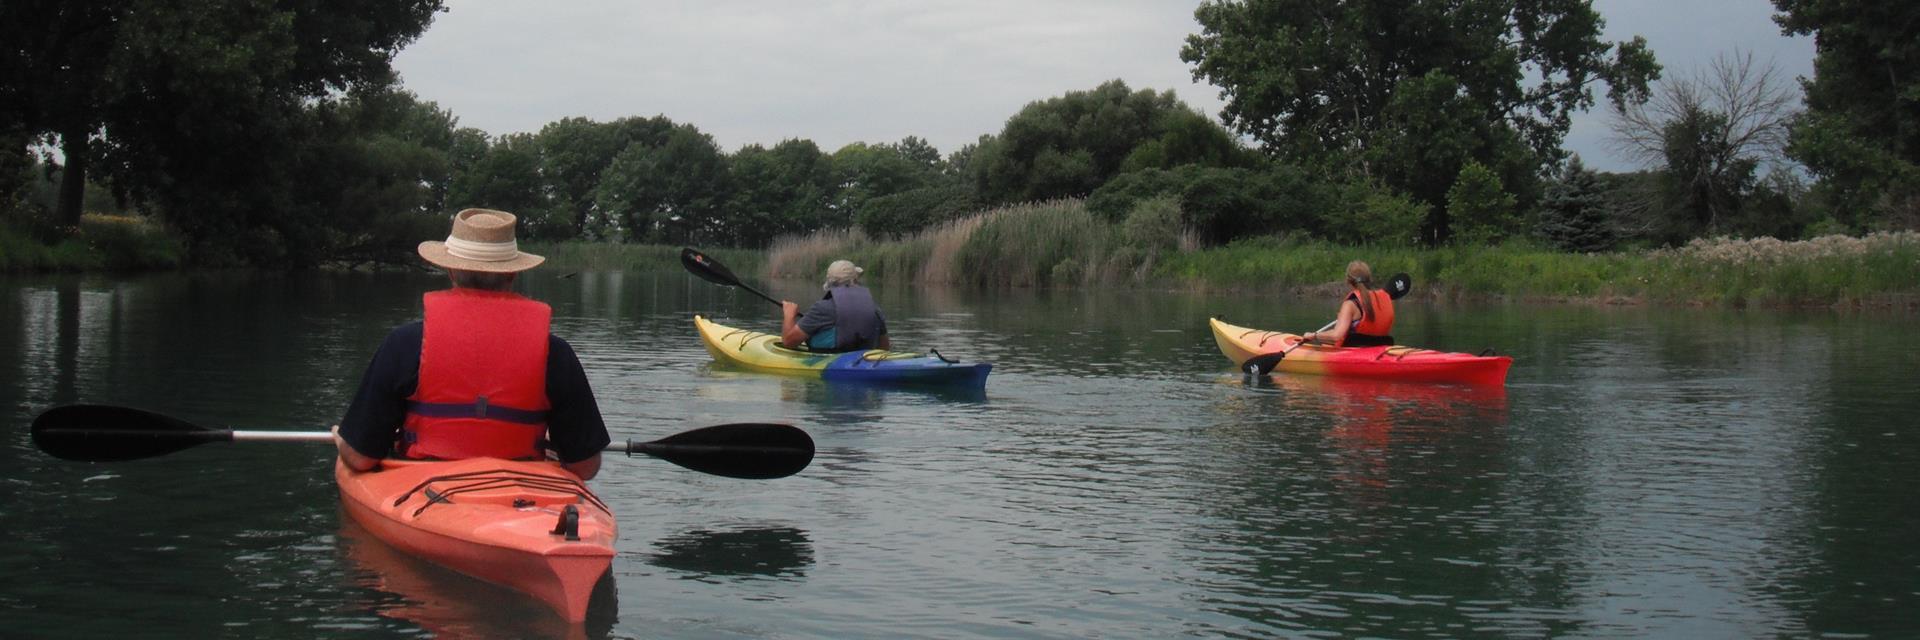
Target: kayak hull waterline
<point>495,520</point>
<point>1409,364</point>
<point>762,352</point>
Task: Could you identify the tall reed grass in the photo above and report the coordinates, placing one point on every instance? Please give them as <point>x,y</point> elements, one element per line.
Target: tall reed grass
<point>102,242</point>
<point>607,256</point>
<point>1057,243</point>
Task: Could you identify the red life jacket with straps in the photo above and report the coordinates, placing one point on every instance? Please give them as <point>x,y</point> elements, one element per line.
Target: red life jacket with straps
<point>1376,316</point>
<point>483,378</point>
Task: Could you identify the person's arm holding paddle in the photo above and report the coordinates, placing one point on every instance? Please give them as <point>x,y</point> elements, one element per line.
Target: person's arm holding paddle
<point>791,336</point>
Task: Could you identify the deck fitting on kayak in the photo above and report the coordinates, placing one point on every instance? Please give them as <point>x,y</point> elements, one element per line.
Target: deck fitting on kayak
<point>568,524</point>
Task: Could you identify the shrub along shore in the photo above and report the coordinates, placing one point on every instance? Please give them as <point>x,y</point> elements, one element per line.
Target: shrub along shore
<point>1062,244</point>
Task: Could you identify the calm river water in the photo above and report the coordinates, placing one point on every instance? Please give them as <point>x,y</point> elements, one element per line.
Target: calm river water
<point>1645,472</point>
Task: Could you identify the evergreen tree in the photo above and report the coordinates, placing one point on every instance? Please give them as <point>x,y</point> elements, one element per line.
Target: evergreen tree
<point>1574,215</point>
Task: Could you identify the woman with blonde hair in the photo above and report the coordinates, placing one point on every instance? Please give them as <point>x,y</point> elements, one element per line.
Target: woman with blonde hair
<point>1366,315</point>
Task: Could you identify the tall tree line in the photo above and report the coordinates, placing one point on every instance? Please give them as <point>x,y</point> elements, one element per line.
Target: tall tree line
<point>273,132</point>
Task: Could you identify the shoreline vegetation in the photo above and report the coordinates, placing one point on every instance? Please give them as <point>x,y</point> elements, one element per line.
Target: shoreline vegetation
<point>1061,244</point>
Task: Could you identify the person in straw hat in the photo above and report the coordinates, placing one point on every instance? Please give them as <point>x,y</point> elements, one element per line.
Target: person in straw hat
<point>845,319</point>
<point>480,375</point>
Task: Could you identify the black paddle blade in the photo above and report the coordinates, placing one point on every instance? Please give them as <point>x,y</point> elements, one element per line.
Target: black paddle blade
<point>1399,285</point>
<point>750,450</point>
<point>706,268</point>
<point>105,433</point>
<point>1262,364</point>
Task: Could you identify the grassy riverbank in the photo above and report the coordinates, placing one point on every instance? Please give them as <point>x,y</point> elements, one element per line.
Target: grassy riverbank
<point>1060,244</point>
<point>103,242</point>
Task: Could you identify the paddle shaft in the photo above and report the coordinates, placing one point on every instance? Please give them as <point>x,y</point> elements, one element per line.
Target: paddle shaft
<point>757,292</point>
<point>107,433</point>
<point>629,446</point>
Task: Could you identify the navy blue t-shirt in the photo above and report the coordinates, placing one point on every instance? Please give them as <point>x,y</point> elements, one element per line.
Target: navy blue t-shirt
<point>575,430</point>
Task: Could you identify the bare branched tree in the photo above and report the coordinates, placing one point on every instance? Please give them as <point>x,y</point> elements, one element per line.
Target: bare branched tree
<point>1756,103</point>
<point>1711,136</point>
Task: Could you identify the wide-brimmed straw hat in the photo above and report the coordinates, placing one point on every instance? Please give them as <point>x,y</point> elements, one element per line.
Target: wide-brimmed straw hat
<point>842,272</point>
<point>482,240</point>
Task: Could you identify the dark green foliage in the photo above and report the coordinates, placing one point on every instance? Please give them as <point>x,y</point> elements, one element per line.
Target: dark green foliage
<point>788,189</point>
<point>1070,145</point>
<point>910,211</point>
<point>1706,178</point>
<point>669,193</point>
<point>1363,213</point>
<point>1154,225</point>
<point>1574,215</point>
<point>506,177</point>
<point>125,243</point>
<point>1861,131</point>
<point>1221,204</point>
<point>196,109</point>
<point>1482,213</point>
<point>574,151</point>
<point>1430,134</point>
<point>1408,92</point>
<point>864,171</point>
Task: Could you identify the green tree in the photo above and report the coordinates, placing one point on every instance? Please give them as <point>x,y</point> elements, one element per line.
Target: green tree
<point>673,192</point>
<point>1482,212</point>
<point>1861,132</point>
<point>573,152</point>
<point>507,177</point>
<point>1221,204</point>
<point>1068,146</point>
<point>789,189</point>
<point>1574,215</point>
<point>910,211</point>
<point>144,89</point>
<point>1420,86</point>
<point>866,171</point>
<point>372,166</point>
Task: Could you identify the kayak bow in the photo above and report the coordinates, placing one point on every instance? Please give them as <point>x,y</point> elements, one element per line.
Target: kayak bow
<point>528,526</point>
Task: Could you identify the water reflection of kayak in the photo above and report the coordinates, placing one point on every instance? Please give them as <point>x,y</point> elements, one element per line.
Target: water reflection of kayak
<point>449,605</point>
<point>762,352</point>
<point>1386,403</point>
<point>1406,364</point>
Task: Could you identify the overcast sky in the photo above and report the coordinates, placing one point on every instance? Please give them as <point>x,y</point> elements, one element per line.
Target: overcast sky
<point>750,71</point>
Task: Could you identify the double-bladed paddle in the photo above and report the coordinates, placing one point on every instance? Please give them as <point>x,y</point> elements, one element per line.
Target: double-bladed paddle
<point>107,433</point>
<point>1263,364</point>
<point>711,270</point>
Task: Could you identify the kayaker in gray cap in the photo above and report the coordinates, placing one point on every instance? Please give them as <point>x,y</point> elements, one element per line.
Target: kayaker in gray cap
<point>844,319</point>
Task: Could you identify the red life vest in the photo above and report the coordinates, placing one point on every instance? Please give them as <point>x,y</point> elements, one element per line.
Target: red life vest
<point>483,378</point>
<point>1374,321</point>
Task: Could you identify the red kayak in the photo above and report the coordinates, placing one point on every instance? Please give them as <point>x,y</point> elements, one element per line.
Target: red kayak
<point>528,526</point>
<point>1409,364</point>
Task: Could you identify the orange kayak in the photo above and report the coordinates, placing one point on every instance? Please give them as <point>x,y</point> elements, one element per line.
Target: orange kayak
<point>1409,364</point>
<point>528,526</point>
